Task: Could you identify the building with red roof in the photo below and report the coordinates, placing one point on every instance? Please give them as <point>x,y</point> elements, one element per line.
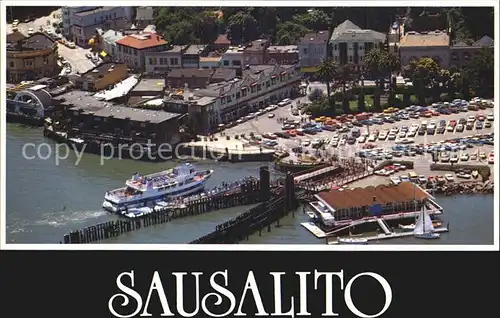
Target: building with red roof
<point>132,49</point>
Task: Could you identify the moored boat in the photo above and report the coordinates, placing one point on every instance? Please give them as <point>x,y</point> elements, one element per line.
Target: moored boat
<point>424,229</point>
<point>352,240</point>
<point>150,190</point>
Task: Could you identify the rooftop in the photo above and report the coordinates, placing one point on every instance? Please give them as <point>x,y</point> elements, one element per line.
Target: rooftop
<point>235,49</point>
<point>149,84</point>
<point>81,99</point>
<point>282,49</point>
<point>251,75</point>
<point>368,196</point>
<point>315,38</point>
<point>222,39</point>
<point>434,38</point>
<point>189,72</point>
<point>99,71</point>
<point>142,41</point>
<point>348,31</point>
<point>224,73</point>
<point>257,45</point>
<point>122,112</point>
<point>194,49</point>
<point>93,11</point>
<point>15,36</point>
<point>485,41</point>
<point>112,36</point>
<point>38,41</point>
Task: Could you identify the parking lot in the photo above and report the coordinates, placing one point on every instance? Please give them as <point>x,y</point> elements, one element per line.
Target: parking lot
<point>403,144</point>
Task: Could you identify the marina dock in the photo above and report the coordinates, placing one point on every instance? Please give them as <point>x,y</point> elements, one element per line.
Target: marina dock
<point>393,235</point>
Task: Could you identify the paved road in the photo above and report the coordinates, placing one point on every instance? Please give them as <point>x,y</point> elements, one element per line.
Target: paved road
<point>76,57</point>
<point>45,22</point>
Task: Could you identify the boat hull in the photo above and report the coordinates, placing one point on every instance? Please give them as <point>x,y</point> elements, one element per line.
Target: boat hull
<point>428,236</point>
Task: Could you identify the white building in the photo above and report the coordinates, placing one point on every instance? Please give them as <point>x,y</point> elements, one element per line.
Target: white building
<point>68,18</point>
<point>85,23</point>
<point>350,43</point>
<point>313,50</point>
<point>132,49</point>
<point>210,62</point>
<point>108,42</point>
<point>260,86</point>
<point>232,58</point>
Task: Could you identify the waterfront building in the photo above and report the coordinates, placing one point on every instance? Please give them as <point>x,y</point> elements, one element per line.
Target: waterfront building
<point>256,52</point>
<point>191,55</point>
<point>32,58</point>
<point>85,23</point>
<point>462,53</point>
<point>340,205</point>
<point>283,54</point>
<point>102,77</point>
<point>161,62</point>
<point>144,16</point>
<point>133,48</point>
<point>313,50</point>
<point>95,120</point>
<point>349,43</point>
<point>433,44</point>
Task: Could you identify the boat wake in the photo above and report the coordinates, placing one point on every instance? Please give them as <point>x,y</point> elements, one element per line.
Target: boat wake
<point>58,219</point>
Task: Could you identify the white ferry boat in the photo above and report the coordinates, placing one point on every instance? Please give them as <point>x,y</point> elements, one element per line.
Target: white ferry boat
<point>148,190</point>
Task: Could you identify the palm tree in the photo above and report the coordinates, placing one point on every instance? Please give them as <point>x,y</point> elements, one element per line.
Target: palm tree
<point>346,75</point>
<point>379,63</point>
<point>327,73</point>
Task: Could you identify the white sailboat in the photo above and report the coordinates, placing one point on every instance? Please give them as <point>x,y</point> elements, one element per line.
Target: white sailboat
<point>424,228</point>
<point>352,239</point>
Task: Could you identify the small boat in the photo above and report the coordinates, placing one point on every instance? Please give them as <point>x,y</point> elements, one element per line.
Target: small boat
<point>411,227</point>
<point>424,229</point>
<point>475,174</point>
<point>311,215</point>
<point>352,240</point>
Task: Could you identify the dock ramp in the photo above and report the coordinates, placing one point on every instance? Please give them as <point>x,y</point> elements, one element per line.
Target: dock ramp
<point>384,226</point>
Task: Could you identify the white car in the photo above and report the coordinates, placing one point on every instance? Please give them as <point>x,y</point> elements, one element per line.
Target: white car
<point>361,139</point>
<point>372,138</point>
<point>422,179</point>
<point>449,177</point>
<point>391,136</point>
<point>450,128</point>
<point>271,115</point>
<point>31,31</point>
<point>490,117</point>
<point>71,45</point>
<point>15,23</point>
<point>464,157</point>
<point>382,136</point>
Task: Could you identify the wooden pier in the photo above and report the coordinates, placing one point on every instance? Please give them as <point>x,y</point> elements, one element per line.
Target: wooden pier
<point>383,236</point>
<point>249,194</point>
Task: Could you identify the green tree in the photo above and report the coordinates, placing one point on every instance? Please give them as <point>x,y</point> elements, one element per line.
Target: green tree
<point>424,74</point>
<point>316,20</point>
<point>289,33</point>
<point>242,28</point>
<point>380,64</point>
<point>327,73</point>
<point>480,72</point>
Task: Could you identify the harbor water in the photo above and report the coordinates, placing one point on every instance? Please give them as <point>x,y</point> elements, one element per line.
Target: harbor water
<point>46,200</point>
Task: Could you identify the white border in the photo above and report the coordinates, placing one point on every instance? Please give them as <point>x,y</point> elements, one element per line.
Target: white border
<point>244,247</point>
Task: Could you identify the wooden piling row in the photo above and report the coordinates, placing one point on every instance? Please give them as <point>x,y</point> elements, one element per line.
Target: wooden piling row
<point>248,194</point>
<point>256,219</point>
